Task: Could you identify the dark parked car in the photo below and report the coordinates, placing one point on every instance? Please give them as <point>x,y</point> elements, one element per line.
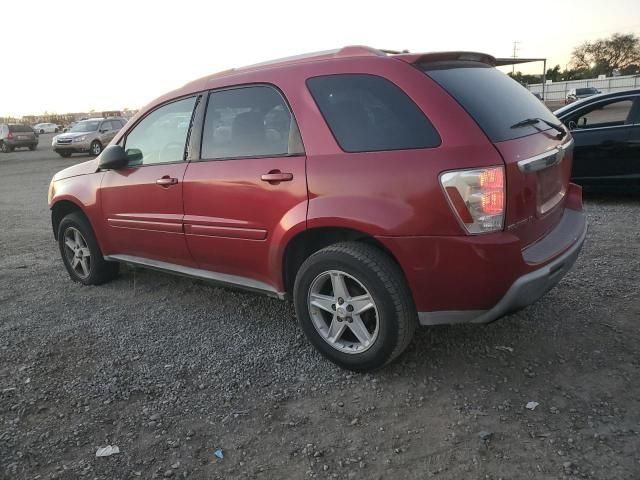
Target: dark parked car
<point>377,191</point>
<point>580,93</point>
<point>15,135</point>
<point>606,132</point>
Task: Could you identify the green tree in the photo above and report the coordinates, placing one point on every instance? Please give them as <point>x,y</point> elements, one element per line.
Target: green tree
<point>618,52</point>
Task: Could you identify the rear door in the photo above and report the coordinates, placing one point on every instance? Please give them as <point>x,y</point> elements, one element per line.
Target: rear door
<point>499,104</point>
<point>250,176</point>
<point>602,131</point>
<point>142,203</point>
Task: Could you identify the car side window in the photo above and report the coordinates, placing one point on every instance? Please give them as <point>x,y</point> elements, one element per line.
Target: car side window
<point>249,122</point>
<point>369,113</point>
<point>106,126</point>
<point>612,114</point>
<point>161,136</point>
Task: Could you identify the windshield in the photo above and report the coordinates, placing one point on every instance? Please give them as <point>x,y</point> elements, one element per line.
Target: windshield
<point>584,91</point>
<point>89,126</point>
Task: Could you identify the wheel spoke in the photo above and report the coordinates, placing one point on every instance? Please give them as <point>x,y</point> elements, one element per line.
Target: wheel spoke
<point>74,262</point>
<point>339,285</point>
<point>361,303</point>
<point>359,330</point>
<point>70,243</point>
<point>85,252</point>
<point>335,330</point>
<point>76,237</point>
<point>323,302</point>
<point>84,264</point>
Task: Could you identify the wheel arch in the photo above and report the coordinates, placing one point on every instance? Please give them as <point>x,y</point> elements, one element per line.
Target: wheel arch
<point>307,242</point>
<point>61,209</point>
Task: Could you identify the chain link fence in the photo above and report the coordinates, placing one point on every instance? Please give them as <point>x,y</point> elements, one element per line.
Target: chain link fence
<point>556,92</point>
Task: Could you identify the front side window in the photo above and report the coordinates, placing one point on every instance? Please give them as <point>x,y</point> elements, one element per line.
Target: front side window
<point>249,122</point>
<point>369,113</point>
<point>601,115</point>
<point>161,136</point>
<point>106,126</point>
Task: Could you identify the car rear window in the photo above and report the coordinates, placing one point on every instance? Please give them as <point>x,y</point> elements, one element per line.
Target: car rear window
<point>20,129</point>
<point>369,113</point>
<point>495,101</point>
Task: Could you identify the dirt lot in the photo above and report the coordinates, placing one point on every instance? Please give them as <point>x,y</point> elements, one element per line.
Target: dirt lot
<point>170,370</point>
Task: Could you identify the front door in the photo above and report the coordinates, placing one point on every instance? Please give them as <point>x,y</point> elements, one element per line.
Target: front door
<point>249,182</point>
<point>142,203</point>
<point>602,135</point>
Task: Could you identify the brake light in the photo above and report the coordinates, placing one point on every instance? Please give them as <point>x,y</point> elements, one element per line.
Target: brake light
<point>477,197</point>
<point>10,135</point>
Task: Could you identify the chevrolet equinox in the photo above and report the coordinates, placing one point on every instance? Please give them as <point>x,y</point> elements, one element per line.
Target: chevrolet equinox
<point>377,190</point>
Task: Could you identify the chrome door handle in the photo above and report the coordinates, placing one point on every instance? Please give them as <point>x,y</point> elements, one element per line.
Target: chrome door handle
<point>166,181</point>
<point>276,176</point>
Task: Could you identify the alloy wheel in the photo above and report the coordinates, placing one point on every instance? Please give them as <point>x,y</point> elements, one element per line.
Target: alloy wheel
<point>343,312</point>
<point>77,252</point>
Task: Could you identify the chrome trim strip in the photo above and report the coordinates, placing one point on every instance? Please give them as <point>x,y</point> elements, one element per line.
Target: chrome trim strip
<point>221,278</point>
<point>545,159</point>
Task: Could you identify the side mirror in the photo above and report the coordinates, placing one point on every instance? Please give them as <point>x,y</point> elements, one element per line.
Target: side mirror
<point>113,158</point>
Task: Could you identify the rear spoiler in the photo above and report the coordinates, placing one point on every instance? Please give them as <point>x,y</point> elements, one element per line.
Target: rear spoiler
<point>447,57</point>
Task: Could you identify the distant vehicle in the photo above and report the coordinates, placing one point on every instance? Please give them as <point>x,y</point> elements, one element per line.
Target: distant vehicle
<point>606,132</point>
<point>580,93</point>
<point>14,135</point>
<point>46,128</point>
<point>425,188</point>
<point>87,136</point>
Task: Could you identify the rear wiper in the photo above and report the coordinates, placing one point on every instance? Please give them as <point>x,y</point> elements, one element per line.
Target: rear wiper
<point>532,121</point>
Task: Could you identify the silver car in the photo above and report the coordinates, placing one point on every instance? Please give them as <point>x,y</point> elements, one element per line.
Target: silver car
<point>87,136</point>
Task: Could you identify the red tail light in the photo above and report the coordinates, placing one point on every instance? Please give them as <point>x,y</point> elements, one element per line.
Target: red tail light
<point>10,135</point>
<point>477,197</point>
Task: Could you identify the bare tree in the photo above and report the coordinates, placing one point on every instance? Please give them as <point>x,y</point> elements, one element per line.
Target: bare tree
<point>618,52</point>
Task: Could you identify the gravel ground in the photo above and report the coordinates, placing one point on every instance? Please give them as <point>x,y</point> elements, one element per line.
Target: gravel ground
<point>171,370</point>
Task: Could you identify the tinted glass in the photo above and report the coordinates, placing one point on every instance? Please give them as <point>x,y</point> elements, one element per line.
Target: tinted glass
<point>86,126</point>
<point>20,128</point>
<point>106,126</point>
<point>495,101</point>
<point>248,122</point>
<point>369,113</point>
<point>603,115</point>
<point>161,136</point>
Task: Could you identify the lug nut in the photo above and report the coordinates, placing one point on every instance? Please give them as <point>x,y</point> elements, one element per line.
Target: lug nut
<point>349,308</point>
<point>349,320</point>
<point>340,301</point>
<point>339,319</point>
<point>333,306</point>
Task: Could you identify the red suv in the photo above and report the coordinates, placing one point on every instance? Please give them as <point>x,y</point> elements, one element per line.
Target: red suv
<point>379,191</point>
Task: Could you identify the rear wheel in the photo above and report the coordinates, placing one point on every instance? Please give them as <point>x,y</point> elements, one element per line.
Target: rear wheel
<point>56,130</point>
<point>80,252</point>
<point>41,130</point>
<point>4,148</point>
<point>96,148</point>
<point>32,147</point>
<point>354,306</point>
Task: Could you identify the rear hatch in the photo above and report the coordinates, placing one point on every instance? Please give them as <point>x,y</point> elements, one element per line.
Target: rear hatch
<point>22,133</point>
<point>537,157</point>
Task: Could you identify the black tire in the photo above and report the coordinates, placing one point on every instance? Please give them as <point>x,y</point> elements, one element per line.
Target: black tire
<point>100,271</point>
<point>33,147</point>
<point>96,148</point>
<point>64,154</point>
<point>41,130</point>
<point>384,281</point>
<point>4,148</point>
<point>55,131</point>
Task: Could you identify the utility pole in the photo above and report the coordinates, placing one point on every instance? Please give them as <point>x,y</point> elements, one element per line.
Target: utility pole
<point>515,51</point>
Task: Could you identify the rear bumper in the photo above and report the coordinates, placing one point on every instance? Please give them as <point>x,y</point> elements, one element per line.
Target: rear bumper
<point>21,143</point>
<point>528,288</point>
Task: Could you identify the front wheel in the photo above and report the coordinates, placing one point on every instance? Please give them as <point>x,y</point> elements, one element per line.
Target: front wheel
<point>80,252</point>
<point>32,147</point>
<point>354,306</point>
<point>96,148</point>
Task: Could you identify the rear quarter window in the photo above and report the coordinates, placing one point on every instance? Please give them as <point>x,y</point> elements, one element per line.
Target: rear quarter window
<point>20,129</point>
<point>369,113</point>
<point>493,99</point>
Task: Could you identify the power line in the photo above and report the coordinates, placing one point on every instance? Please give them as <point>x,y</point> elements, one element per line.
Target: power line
<point>515,51</point>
